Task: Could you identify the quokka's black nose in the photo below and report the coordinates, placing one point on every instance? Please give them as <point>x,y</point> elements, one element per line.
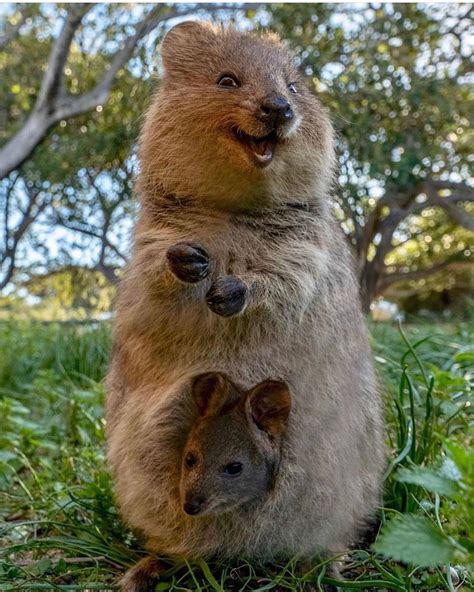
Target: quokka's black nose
<point>276,109</point>
<point>193,506</point>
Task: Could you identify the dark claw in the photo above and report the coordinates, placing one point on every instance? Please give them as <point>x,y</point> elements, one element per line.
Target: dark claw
<point>227,296</point>
<point>188,262</point>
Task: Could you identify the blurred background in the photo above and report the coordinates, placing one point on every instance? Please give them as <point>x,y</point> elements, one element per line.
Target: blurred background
<point>76,79</point>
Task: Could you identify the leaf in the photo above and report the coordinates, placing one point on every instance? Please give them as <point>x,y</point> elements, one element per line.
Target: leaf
<point>7,455</point>
<point>450,470</point>
<point>467,356</point>
<point>209,577</point>
<point>429,479</point>
<point>41,567</point>
<point>414,540</point>
<point>462,457</point>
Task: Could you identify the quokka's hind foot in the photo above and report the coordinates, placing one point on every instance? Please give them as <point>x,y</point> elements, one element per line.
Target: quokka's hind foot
<point>143,576</point>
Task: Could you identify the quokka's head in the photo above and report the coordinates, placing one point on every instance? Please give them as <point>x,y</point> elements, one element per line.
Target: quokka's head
<point>234,121</point>
<point>232,453</point>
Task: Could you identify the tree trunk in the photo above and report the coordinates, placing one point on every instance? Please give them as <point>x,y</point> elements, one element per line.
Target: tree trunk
<point>369,280</point>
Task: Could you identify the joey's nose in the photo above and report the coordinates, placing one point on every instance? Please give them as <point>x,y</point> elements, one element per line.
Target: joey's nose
<point>193,506</point>
<point>276,109</point>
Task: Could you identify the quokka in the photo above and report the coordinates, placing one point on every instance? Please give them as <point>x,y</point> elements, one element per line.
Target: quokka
<point>232,452</point>
<point>231,455</point>
<point>239,268</point>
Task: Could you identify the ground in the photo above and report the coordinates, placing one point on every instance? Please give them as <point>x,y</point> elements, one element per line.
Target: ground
<point>60,529</point>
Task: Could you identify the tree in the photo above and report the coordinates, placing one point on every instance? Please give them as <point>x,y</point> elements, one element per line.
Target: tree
<point>80,94</point>
<point>69,291</point>
<point>100,208</point>
<point>394,78</point>
<point>21,203</point>
<point>53,102</point>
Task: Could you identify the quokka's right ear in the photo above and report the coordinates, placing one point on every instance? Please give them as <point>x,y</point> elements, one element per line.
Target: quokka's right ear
<point>180,43</point>
<point>213,392</point>
<point>269,404</point>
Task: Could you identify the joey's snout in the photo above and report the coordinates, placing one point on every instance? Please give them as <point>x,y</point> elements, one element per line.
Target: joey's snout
<point>275,110</point>
<point>193,505</point>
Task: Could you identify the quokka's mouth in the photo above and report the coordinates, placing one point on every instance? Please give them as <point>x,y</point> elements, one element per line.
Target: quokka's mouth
<point>261,149</point>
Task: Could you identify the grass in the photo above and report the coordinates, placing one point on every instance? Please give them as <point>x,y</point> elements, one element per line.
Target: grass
<point>60,529</point>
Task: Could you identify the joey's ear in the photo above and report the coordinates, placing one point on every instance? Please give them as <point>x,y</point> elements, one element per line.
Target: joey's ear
<point>269,404</point>
<point>213,392</point>
<point>181,42</point>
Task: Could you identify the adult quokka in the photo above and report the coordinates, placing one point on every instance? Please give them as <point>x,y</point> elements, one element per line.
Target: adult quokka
<point>238,267</point>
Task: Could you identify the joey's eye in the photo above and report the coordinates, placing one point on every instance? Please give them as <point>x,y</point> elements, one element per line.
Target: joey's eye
<point>292,88</point>
<point>190,460</point>
<point>228,81</point>
<point>234,468</point>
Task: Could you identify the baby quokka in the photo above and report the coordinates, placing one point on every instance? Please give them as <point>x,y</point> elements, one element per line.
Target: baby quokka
<point>233,450</point>
<point>231,455</point>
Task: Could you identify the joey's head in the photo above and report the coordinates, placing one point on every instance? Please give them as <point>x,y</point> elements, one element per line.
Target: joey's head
<point>232,453</point>
<point>234,122</point>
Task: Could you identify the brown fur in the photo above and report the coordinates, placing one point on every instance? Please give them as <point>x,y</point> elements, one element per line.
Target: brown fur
<point>301,322</point>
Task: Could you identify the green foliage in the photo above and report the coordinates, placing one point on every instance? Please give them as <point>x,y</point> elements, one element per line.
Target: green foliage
<point>394,79</point>
<point>72,292</point>
<point>60,528</point>
<point>66,350</point>
<point>390,73</point>
<point>416,541</point>
<point>431,480</point>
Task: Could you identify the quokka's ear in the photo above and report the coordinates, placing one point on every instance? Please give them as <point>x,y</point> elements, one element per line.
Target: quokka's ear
<point>213,392</point>
<point>269,404</point>
<point>181,42</point>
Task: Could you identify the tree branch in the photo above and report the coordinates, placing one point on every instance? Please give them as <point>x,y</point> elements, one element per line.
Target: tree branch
<point>462,193</point>
<point>87,231</point>
<point>30,214</point>
<point>51,83</point>
<point>6,214</point>
<point>51,107</point>
<point>394,277</point>
<point>108,272</point>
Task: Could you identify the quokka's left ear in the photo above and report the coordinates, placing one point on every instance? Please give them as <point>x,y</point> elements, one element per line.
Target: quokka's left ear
<point>269,404</point>
<point>213,392</point>
<point>180,43</point>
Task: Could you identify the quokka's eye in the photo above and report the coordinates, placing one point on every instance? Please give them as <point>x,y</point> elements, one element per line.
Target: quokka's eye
<point>228,81</point>
<point>234,468</point>
<point>292,88</point>
<point>190,460</point>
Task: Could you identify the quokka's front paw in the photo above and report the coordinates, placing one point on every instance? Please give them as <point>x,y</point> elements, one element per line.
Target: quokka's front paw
<point>189,262</point>
<point>143,576</point>
<point>227,296</point>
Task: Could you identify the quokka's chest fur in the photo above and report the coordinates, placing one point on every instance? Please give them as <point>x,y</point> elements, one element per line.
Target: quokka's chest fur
<point>176,326</point>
